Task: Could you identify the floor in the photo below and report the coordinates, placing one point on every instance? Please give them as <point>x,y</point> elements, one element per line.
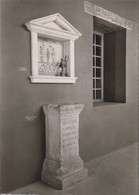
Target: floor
<point>113,174</point>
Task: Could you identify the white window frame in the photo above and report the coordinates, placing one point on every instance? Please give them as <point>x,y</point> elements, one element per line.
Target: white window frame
<point>102,68</point>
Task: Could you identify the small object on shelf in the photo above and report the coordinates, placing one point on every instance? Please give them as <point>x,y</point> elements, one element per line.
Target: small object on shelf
<point>61,66</point>
<point>59,70</point>
<point>66,66</point>
<point>62,70</point>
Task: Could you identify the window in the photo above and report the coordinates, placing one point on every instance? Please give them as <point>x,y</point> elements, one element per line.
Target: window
<point>109,62</point>
<point>98,66</point>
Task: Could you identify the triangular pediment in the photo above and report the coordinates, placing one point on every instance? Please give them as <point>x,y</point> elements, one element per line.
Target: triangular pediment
<point>55,22</point>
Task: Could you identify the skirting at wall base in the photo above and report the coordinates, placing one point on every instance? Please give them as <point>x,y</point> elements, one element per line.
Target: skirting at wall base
<point>61,182</point>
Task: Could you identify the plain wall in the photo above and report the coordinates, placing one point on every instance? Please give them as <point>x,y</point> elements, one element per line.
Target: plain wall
<point>103,129</point>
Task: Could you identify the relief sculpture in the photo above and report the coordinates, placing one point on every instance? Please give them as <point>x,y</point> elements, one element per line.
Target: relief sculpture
<point>50,55</point>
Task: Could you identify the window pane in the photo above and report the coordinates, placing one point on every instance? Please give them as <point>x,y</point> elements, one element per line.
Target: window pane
<point>93,83</point>
<point>98,94</point>
<point>94,94</point>
<point>93,72</point>
<point>93,50</point>
<point>98,39</point>
<point>93,61</point>
<point>98,72</point>
<point>98,51</point>
<point>98,62</point>
<point>98,83</point>
<point>94,38</point>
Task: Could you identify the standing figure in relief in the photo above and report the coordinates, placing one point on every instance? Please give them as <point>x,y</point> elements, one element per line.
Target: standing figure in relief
<point>48,56</point>
<point>41,53</point>
<point>53,56</point>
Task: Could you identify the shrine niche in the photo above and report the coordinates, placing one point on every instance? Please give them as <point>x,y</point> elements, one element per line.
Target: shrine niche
<point>52,50</point>
<point>50,54</point>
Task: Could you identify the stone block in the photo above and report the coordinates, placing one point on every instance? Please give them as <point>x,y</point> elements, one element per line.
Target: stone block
<point>62,166</point>
<point>61,182</point>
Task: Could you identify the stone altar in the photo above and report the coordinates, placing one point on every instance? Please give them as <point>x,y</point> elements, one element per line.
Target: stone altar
<point>62,166</point>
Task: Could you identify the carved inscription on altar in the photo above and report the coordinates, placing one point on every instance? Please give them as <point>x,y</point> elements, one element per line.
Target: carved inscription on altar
<point>69,130</point>
<point>62,166</point>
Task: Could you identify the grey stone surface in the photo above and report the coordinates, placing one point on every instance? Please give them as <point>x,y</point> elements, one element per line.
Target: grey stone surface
<point>61,182</point>
<point>62,166</point>
<point>104,14</point>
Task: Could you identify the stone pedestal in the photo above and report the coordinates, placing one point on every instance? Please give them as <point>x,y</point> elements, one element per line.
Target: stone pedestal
<point>62,166</point>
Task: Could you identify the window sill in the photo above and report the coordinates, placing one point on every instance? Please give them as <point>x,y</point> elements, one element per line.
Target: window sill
<point>107,103</point>
<point>52,79</point>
